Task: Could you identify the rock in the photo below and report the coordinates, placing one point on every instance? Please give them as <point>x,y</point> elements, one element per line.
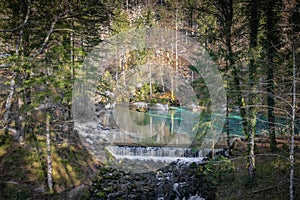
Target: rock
<point>41,189</point>
<point>159,106</point>
<point>78,193</point>
<point>171,182</point>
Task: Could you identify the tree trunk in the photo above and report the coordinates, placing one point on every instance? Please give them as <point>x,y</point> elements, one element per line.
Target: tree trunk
<point>72,58</point>
<point>9,101</point>
<point>241,101</point>
<point>22,53</point>
<point>231,59</point>
<point>253,97</point>
<point>252,112</point>
<point>150,80</point>
<point>292,151</point>
<point>49,156</point>
<point>271,105</point>
<point>117,68</point>
<point>235,71</point>
<point>271,41</point>
<point>123,62</point>
<point>16,116</point>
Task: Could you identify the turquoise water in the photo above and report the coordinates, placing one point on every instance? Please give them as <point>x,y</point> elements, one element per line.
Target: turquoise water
<point>282,125</point>
<point>180,120</point>
<point>178,115</point>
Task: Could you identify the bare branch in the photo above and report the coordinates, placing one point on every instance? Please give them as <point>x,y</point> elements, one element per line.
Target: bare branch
<point>13,29</point>
<point>46,38</point>
<point>63,29</point>
<point>21,32</point>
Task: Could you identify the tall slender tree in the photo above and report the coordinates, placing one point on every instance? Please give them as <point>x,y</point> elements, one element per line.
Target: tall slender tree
<point>253,73</point>
<point>295,25</point>
<point>271,11</point>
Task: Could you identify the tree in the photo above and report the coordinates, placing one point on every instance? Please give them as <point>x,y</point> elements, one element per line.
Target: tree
<point>227,39</point>
<point>292,151</point>
<point>271,9</point>
<point>21,53</point>
<point>43,55</point>
<point>253,93</point>
<point>293,23</point>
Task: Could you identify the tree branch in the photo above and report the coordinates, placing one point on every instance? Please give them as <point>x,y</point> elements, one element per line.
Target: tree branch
<point>46,38</point>
<point>63,29</point>
<point>13,29</point>
<point>25,22</point>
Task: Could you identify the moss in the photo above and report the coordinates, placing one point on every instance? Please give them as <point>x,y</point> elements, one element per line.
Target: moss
<point>218,169</point>
<point>108,189</point>
<point>5,143</point>
<point>12,191</point>
<point>100,194</point>
<point>71,164</point>
<point>270,182</point>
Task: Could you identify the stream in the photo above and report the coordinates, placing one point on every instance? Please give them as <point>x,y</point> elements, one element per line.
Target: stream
<point>148,155</point>
<point>177,181</point>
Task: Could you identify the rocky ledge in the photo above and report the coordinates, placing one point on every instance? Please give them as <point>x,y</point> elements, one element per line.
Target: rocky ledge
<point>175,181</point>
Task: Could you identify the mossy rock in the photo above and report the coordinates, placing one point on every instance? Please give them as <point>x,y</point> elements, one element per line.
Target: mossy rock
<point>100,194</point>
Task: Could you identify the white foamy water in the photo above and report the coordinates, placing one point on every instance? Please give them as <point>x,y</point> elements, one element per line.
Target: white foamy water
<point>160,154</point>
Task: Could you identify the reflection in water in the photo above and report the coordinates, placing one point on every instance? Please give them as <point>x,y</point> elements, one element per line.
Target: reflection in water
<point>161,124</point>
<point>154,127</point>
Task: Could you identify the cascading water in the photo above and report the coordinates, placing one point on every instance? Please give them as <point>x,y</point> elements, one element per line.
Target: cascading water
<point>155,166</point>
<point>154,140</point>
<point>175,181</point>
<point>165,154</point>
<point>177,187</point>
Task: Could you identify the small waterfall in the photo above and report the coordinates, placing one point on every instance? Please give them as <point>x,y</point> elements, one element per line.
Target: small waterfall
<point>167,154</point>
<point>173,181</point>
<point>178,188</point>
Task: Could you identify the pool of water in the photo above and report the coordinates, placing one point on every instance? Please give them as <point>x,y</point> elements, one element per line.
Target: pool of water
<point>176,126</point>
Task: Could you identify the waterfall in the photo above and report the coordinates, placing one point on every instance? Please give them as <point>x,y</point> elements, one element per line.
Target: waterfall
<point>178,187</point>
<point>166,154</point>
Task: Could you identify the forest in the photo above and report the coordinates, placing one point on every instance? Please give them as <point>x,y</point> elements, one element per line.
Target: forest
<point>150,99</point>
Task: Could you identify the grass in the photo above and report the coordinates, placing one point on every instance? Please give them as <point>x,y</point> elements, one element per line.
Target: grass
<point>5,144</point>
<point>23,169</point>
<point>270,182</point>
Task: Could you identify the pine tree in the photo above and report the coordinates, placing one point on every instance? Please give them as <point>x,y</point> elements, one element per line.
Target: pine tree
<point>271,9</point>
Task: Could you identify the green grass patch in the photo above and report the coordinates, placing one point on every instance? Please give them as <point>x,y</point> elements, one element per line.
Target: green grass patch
<point>270,182</point>
<point>26,166</point>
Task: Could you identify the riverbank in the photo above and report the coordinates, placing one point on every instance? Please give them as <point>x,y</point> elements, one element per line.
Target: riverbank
<point>77,176</point>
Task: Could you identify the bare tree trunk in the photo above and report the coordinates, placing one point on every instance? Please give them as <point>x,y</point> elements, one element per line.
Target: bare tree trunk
<point>49,156</point>
<point>9,101</point>
<point>150,80</point>
<point>227,113</point>
<point>172,75</point>
<point>292,152</point>
<point>123,61</point>
<point>253,97</point>
<point>117,68</point>
<point>48,138</point>
<point>72,57</point>
<point>16,115</point>
<point>17,82</point>
<point>176,43</point>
